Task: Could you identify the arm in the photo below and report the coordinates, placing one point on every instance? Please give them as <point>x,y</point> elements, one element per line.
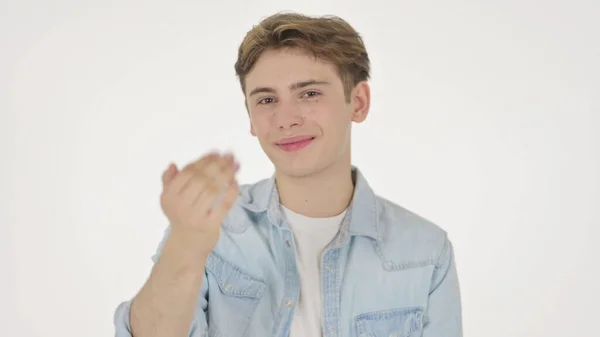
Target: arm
<point>444,313</point>
<point>173,300</point>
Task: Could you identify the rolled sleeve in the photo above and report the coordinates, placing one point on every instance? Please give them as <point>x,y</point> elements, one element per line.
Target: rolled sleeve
<point>123,328</point>
<point>121,320</point>
<point>444,312</point>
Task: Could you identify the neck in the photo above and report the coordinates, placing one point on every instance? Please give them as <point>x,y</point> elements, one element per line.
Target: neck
<point>323,194</point>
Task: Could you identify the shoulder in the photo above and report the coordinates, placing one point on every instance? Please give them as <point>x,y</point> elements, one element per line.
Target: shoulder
<point>408,239</point>
<point>251,205</point>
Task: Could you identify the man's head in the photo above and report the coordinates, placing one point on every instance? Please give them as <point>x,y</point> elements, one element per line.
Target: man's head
<point>304,78</point>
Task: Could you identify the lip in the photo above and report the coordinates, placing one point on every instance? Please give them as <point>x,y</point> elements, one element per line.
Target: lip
<point>295,139</point>
<point>293,144</point>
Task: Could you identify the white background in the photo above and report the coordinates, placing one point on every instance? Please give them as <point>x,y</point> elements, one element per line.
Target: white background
<point>485,119</point>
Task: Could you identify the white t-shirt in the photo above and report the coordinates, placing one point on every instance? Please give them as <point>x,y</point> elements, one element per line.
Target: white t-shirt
<point>311,236</point>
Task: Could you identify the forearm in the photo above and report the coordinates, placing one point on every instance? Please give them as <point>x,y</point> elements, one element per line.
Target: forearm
<point>165,305</point>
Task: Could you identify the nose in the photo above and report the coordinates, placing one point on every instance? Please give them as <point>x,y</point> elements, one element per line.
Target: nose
<point>287,117</point>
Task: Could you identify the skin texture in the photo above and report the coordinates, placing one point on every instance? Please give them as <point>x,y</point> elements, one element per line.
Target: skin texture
<point>282,103</point>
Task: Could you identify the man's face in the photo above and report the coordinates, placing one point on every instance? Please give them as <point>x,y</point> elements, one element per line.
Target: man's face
<point>299,113</point>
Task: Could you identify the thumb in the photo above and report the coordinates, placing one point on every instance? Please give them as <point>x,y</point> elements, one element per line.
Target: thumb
<point>169,174</point>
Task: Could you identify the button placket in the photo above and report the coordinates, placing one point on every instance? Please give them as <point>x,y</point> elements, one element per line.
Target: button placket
<point>291,290</point>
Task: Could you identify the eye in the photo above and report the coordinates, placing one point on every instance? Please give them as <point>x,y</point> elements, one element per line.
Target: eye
<point>266,100</point>
<point>310,94</point>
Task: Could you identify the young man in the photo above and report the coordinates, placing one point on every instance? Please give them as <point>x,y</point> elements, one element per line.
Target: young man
<point>312,251</point>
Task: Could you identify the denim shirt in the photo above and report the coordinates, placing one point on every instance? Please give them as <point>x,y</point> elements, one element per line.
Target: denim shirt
<point>388,272</point>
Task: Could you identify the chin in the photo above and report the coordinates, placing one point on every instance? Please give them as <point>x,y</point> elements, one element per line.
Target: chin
<point>299,168</point>
<point>299,164</point>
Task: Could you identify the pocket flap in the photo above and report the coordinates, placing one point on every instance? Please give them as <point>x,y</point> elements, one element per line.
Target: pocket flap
<point>390,323</point>
<point>233,280</point>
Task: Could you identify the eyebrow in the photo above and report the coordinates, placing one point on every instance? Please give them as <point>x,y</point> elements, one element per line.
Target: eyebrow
<point>295,86</point>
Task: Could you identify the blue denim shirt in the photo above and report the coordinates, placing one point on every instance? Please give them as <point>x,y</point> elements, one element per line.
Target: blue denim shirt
<point>388,272</point>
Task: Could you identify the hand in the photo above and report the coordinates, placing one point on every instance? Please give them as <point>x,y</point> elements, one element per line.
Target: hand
<point>197,199</point>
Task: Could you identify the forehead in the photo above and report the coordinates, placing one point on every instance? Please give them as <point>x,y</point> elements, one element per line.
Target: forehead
<point>282,67</point>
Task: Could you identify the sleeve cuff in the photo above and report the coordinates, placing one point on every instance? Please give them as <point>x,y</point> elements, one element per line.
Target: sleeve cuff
<point>121,320</point>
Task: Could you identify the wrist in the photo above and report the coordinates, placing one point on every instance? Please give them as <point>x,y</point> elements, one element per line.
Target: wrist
<point>190,240</point>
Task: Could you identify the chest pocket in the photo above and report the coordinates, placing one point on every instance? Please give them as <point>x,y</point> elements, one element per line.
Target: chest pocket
<point>403,322</point>
<point>233,295</point>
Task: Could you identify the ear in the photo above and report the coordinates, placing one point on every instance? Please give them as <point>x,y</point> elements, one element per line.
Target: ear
<point>360,99</point>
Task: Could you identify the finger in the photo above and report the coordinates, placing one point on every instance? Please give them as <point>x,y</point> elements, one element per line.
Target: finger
<point>214,166</point>
<point>222,207</point>
<point>204,171</point>
<point>217,184</point>
<point>169,174</point>
<point>182,181</point>
<point>216,175</point>
<point>211,181</point>
<point>209,158</point>
<point>207,197</point>
<point>194,189</point>
<point>221,171</point>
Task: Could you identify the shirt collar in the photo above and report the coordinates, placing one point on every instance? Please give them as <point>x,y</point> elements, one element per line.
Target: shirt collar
<point>361,217</point>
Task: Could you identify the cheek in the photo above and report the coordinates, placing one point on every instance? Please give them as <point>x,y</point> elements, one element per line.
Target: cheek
<point>339,123</point>
<point>261,127</point>
<point>331,116</point>
<point>258,120</point>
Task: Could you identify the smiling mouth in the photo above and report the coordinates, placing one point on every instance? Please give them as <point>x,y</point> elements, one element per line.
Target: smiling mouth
<point>292,145</point>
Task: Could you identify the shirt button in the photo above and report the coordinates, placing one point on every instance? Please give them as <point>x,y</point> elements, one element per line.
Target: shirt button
<point>393,334</point>
<point>228,287</point>
<point>288,303</point>
<point>288,244</point>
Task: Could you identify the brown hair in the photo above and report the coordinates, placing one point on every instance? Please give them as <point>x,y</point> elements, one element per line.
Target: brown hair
<point>328,38</point>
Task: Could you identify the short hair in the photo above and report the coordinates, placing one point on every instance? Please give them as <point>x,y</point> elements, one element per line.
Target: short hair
<point>328,38</point>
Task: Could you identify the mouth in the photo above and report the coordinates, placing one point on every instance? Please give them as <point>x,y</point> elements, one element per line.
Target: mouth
<point>293,144</point>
